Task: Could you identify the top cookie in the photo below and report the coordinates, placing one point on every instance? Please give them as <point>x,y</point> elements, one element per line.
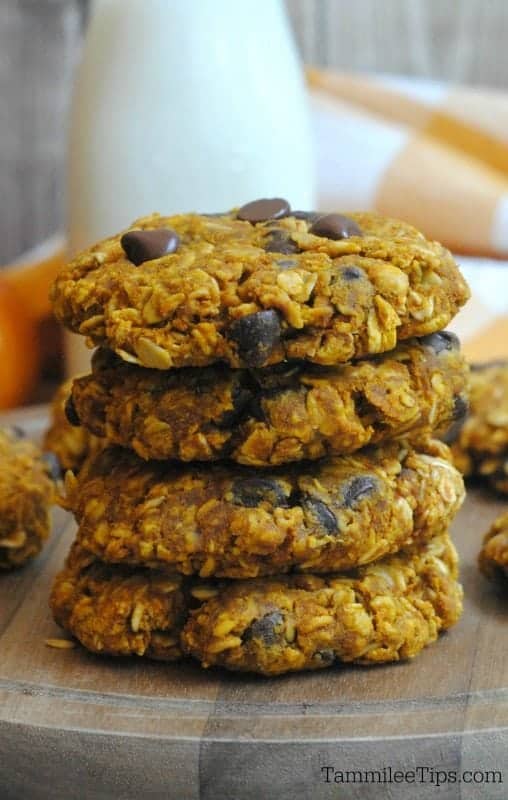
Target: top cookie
<point>258,285</point>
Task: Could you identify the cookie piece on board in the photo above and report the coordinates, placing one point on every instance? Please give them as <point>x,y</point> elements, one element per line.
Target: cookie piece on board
<point>27,491</point>
<point>493,557</point>
<point>480,448</point>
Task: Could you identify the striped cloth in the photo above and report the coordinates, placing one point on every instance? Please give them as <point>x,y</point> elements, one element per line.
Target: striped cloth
<point>434,155</point>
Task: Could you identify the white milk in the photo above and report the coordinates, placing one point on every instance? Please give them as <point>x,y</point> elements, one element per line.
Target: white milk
<point>184,105</point>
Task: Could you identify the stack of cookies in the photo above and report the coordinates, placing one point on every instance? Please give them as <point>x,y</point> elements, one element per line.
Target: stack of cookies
<point>267,495</point>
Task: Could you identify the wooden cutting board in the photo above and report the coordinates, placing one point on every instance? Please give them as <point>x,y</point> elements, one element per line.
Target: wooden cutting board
<point>77,726</point>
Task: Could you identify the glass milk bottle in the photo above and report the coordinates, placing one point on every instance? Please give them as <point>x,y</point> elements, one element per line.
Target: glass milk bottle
<point>184,106</point>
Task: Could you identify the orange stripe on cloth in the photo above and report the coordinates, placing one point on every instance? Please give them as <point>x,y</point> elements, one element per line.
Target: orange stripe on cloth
<point>448,196</point>
<point>490,343</point>
<point>469,140</point>
<point>371,96</point>
<point>458,125</point>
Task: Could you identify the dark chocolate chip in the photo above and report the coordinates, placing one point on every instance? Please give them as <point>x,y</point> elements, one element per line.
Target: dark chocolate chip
<point>352,273</point>
<point>266,208</point>
<point>16,432</point>
<point>255,409</point>
<point>71,413</point>
<point>240,399</point>
<point>141,246</point>
<point>335,226</point>
<point>104,359</point>
<point>451,433</point>
<point>256,336</point>
<point>358,489</point>
<point>308,216</point>
<point>250,492</point>
<point>265,628</point>
<point>280,242</point>
<point>460,408</point>
<point>326,656</point>
<point>52,463</point>
<point>443,340</point>
<point>280,376</point>
<point>321,513</point>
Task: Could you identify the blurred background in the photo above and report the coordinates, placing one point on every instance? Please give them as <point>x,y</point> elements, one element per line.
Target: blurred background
<point>460,42</point>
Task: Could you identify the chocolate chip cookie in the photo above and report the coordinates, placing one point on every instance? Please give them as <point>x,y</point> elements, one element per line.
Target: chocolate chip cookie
<point>258,285</point>
<point>237,522</point>
<point>481,447</point>
<point>387,611</point>
<point>26,494</point>
<point>275,415</point>
<point>493,557</point>
<point>120,611</point>
<point>70,443</point>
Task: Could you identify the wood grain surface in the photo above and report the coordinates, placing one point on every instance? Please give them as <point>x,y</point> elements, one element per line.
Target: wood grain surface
<point>73,725</point>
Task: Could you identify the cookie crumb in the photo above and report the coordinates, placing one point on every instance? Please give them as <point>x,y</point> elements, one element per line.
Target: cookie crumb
<point>60,644</point>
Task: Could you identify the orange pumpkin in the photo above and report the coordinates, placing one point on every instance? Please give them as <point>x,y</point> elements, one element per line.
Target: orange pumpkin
<point>19,349</point>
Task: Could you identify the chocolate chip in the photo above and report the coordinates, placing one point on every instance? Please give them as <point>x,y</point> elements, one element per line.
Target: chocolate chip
<point>240,399</point>
<point>443,340</point>
<point>308,216</point>
<point>52,463</point>
<point>321,513</point>
<point>266,208</point>
<point>352,273</point>
<point>265,628</point>
<point>280,376</point>
<point>141,246</point>
<point>451,433</point>
<point>326,656</point>
<point>460,408</point>
<point>71,413</point>
<point>256,336</point>
<point>250,492</point>
<point>104,359</point>
<point>335,226</point>
<point>16,432</point>
<point>358,489</point>
<point>280,242</point>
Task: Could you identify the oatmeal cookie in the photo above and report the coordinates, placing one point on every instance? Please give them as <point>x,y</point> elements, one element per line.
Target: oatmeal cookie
<point>26,494</point>
<point>237,522</point>
<point>119,611</point>
<point>387,611</point>
<point>258,285</point>
<point>481,446</point>
<point>493,557</point>
<point>70,443</point>
<point>274,415</point>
